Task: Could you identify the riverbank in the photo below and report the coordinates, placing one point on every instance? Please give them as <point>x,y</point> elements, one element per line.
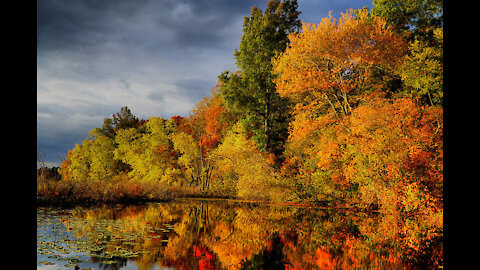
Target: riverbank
<point>69,193</point>
<point>61,193</point>
<point>66,194</point>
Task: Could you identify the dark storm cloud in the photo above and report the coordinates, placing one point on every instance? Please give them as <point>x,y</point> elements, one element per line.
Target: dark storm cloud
<point>86,24</point>
<point>63,24</point>
<point>202,23</point>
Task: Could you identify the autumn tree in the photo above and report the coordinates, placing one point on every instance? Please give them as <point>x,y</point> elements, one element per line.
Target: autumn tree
<point>76,166</point>
<point>199,134</point>
<point>150,155</point>
<point>352,137</point>
<point>394,153</point>
<point>103,164</point>
<point>91,160</point>
<point>422,71</point>
<point>252,90</point>
<point>241,167</point>
<point>209,120</point>
<point>327,71</point>
<point>329,67</point>
<point>195,169</point>
<point>94,158</point>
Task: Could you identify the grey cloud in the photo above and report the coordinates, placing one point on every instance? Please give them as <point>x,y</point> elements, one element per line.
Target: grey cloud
<point>124,84</point>
<point>204,23</point>
<point>189,89</point>
<point>158,95</point>
<point>93,41</point>
<point>70,126</point>
<point>86,24</point>
<point>67,24</point>
<point>194,89</point>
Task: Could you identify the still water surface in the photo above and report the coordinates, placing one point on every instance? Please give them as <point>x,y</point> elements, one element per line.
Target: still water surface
<point>223,234</point>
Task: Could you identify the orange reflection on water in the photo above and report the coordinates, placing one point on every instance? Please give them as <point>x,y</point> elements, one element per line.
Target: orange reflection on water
<point>196,234</point>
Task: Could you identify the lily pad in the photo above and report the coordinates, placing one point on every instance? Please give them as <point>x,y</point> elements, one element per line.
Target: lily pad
<point>46,263</point>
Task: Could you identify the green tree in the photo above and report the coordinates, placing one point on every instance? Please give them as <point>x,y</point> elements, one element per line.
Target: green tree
<point>422,71</point>
<point>417,18</point>
<point>422,22</point>
<point>121,120</point>
<point>252,91</point>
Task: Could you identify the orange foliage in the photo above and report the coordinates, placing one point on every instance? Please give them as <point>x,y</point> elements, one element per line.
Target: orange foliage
<point>182,124</point>
<point>64,166</point>
<point>345,133</point>
<point>391,149</point>
<point>207,123</point>
<point>213,124</point>
<point>337,55</point>
<point>401,139</point>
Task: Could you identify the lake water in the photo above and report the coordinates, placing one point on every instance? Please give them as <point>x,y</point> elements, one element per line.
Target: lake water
<point>227,234</point>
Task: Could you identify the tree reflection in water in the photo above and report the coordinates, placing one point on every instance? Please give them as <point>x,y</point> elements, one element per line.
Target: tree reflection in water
<point>198,234</point>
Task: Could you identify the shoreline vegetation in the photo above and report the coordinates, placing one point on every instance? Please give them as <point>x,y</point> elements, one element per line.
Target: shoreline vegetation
<point>66,194</point>
<point>51,192</point>
<point>346,112</point>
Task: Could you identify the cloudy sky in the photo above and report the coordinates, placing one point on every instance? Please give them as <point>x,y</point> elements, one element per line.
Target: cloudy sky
<point>158,57</point>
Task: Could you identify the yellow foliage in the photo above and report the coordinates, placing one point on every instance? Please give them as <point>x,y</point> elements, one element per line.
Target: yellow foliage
<point>149,154</point>
<point>240,158</point>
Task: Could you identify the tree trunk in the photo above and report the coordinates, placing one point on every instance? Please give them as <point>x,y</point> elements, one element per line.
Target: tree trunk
<point>201,164</point>
<point>267,122</point>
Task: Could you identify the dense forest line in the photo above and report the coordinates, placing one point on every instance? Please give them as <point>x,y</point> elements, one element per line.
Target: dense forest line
<point>348,111</point>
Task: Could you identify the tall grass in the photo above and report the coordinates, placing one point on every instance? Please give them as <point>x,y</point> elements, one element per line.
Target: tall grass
<point>65,193</point>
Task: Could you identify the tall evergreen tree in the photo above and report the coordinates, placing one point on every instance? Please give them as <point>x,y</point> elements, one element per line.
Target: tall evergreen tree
<point>252,90</point>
